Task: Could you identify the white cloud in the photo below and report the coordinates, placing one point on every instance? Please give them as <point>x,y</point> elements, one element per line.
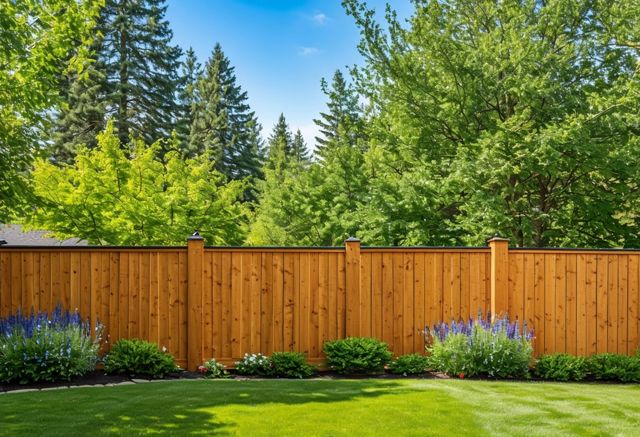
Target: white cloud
<point>319,18</point>
<point>308,51</point>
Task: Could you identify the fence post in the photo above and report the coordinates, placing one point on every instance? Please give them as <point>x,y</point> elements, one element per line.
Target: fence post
<point>352,281</point>
<point>195,255</point>
<point>499,275</point>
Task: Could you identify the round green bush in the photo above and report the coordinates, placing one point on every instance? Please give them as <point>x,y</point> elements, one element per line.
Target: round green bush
<point>357,355</point>
<point>614,367</point>
<point>139,358</point>
<point>411,364</point>
<point>290,365</point>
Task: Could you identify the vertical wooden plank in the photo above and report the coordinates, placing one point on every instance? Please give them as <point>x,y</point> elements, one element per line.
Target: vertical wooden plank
<point>105,284</point>
<point>591,288</point>
<point>173,280</point>
<point>278,304</point>
<point>145,292</point>
<point>365,295</point>
<point>612,307</point>
<point>236,305</point>
<point>96,296</point>
<point>295,307</point>
<point>36,283</point>
<point>581,304</point>
<point>549,303</point>
<point>529,291</point>
<point>602,302</point>
<point>45,283</point>
<point>163,298</point>
<point>16,281</point>
<point>56,285</point>
<point>288,302</point>
<point>465,292</point>
<point>539,303</point>
<point>27,279</point>
<point>408,328</point>
<point>154,297</point>
<point>245,320</point>
<point>342,297</point>
<point>376,296</point>
<point>194,300</point>
<point>323,299</point>
<point>266,288</point>
<point>256,271</point>
<point>114,280</point>
<point>183,316</point>
<point>632,327</point>
<point>476,285</point>
<point>516,286</point>
<point>499,275</point>
<point>419,303</point>
<point>134,296</point>
<point>65,271</point>
<point>398,307</point>
<point>207,305</point>
<point>387,294</point>
<point>352,260</point>
<point>85,286</point>
<point>314,329</point>
<point>219,311</point>
<point>571,321</point>
<point>333,296</point>
<point>623,302</point>
<point>75,278</point>
<point>561,302</point>
<point>447,287</point>
<point>305,303</point>
<point>5,284</point>
<point>123,298</point>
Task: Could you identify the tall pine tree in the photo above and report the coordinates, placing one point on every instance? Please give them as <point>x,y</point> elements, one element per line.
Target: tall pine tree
<point>134,79</point>
<point>190,74</point>
<point>223,123</point>
<point>343,110</point>
<point>284,148</point>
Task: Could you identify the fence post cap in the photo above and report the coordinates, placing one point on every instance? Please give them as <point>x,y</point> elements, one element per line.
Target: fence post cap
<point>496,238</point>
<point>195,236</point>
<point>352,240</point>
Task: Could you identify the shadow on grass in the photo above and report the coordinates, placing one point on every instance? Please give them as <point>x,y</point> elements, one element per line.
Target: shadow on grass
<point>185,407</point>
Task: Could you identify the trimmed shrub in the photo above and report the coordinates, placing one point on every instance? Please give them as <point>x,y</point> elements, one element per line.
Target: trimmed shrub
<point>480,347</point>
<point>613,367</point>
<point>212,369</point>
<point>411,364</point>
<point>254,364</point>
<point>561,367</point>
<point>46,347</point>
<point>290,365</point>
<point>357,355</point>
<point>139,358</point>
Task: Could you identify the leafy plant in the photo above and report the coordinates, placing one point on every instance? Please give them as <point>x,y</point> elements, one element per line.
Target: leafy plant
<point>254,364</point>
<point>212,369</point>
<point>290,365</point>
<point>139,358</point>
<point>410,364</point>
<point>46,347</point>
<point>613,367</point>
<point>481,347</point>
<point>357,355</point>
<point>561,367</point>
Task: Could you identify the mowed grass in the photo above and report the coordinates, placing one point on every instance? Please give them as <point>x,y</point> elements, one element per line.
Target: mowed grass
<point>327,408</point>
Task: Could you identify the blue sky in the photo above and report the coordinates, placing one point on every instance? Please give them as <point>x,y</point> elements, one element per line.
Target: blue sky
<point>280,49</point>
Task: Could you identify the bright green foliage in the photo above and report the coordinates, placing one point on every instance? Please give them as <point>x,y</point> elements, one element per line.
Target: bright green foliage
<point>561,367</point>
<point>410,364</point>
<point>290,365</point>
<point>518,117</point>
<point>253,364</point>
<point>223,123</point>
<point>357,355</point>
<point>613,367</point>
<point>212,369</point>
<point>343,117</point>
<point>40,40</point>
<point>138,358</point>
<point>111,196</point>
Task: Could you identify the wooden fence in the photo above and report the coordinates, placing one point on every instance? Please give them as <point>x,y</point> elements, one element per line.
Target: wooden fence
<point>203,302</point>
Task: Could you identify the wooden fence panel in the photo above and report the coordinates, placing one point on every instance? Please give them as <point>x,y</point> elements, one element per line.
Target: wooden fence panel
<point>225,302</point>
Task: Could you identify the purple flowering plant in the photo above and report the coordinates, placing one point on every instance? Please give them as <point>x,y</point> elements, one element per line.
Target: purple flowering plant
<point>481,347</point>
<point>47,346</point>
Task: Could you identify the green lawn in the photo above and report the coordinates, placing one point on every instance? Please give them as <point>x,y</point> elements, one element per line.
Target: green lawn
<point>327,407</point>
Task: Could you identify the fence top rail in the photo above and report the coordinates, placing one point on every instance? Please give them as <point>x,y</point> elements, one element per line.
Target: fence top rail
<point>426,249</point>
<point>575,250</point>
<point>274,248</point>
<point>16,248</point>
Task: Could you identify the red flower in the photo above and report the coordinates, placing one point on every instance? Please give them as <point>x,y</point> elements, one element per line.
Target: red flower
<point>461,375</point>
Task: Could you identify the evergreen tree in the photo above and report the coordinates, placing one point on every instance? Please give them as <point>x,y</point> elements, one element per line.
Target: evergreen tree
<point>342,110</point>
<point>223,123</point>
<point>190,74</point>
<point>299,148</point>
<point>134,78</point>
<point>280,144</point>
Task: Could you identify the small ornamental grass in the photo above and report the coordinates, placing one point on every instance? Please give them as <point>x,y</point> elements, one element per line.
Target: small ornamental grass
<point>47,347</point>
<point>357,355</point>
<point>481,347</point>
<point>254,365</point>
<point>139,358</point>
<point>212,369</point>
